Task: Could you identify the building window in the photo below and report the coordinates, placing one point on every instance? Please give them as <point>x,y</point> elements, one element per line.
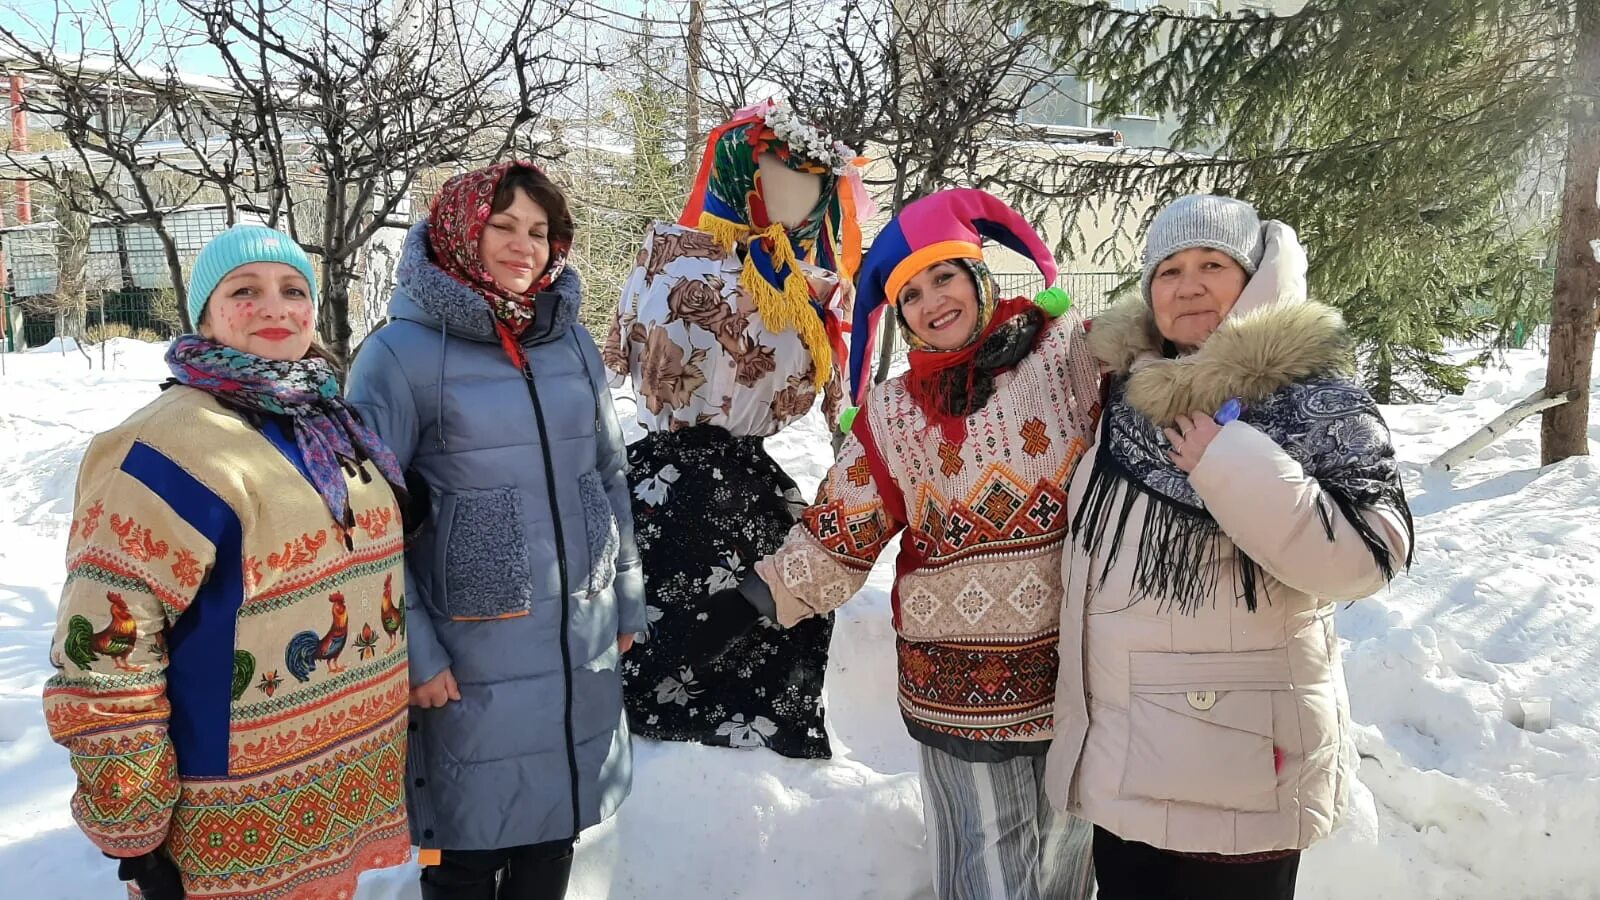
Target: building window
<point>1134,5</point>
<point>1205,7</point>
<point>1258,7</point>
<point>1136,110</point>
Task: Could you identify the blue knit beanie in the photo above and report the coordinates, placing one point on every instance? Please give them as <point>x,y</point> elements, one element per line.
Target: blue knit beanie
<point>240,245</point>
<point>1203,220</point>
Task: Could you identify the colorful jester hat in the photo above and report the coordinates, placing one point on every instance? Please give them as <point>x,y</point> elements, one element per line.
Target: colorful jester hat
<point>948,225</point>
<point>728,203</point>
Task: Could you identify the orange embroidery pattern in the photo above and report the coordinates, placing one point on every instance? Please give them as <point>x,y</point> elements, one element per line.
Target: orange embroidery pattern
<point>252,573</point>
<point>375,521</point>
<point>186,569</point>
<point>860,473</point>
<point>298,553</point>
<point>91,519</point>
<point>1035,438</point>
<point>137,541</point>
<point>950,455</point>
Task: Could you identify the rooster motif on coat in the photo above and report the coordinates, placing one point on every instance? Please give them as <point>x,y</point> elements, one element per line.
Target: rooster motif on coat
<point>392,616</point>
<point>84,645</point>
<point>307,647</point>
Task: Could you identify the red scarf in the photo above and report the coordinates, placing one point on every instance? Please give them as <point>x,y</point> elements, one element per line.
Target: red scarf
<point>937,374</point>
<point>455,226</point>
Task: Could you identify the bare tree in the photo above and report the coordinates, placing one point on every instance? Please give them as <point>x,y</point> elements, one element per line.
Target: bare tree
<point>114,113</point>
<point>70,301</point>
<point>359,102</point>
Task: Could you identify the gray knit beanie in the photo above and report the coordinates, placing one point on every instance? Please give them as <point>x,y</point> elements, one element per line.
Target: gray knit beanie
<point>1203,220</point>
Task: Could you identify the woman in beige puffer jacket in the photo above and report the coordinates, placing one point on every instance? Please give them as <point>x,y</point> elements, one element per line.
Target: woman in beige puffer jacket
<point>1240,486</point>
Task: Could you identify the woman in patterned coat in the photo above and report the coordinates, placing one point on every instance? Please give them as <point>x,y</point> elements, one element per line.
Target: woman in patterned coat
<point>231,653</point>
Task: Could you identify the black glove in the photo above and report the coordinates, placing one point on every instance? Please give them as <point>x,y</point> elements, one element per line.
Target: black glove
<point>155,873</point>
<point>729,617</point>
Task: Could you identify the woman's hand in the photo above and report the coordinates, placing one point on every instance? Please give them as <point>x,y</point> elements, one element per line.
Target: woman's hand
<point>1190,439</point>
<point>439,690</point>
<point>624,643</point>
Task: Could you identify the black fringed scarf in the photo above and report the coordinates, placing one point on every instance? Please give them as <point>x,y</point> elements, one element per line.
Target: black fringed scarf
<point>1320,417</point>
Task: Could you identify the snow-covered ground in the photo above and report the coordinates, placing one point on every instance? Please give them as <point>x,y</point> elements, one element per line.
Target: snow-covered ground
<point>1503,604</point>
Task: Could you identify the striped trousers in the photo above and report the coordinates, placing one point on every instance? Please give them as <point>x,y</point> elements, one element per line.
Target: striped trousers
<point>994,835</point>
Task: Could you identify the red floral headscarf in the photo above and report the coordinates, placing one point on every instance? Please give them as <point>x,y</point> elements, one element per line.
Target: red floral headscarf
<point>455,225</point>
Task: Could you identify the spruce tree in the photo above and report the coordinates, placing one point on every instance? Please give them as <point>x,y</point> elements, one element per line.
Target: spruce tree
<point>1395,135</point>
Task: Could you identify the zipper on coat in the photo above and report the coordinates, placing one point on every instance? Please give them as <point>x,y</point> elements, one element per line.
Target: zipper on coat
<point>566,593</point>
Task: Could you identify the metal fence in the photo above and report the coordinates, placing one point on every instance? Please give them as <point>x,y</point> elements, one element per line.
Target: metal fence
<point>1092,292</point>
<point>149,315</point>
<point>130,285</point>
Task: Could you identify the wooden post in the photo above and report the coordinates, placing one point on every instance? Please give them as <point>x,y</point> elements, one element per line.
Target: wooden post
<point>691,104</point>
<point>5,308</point>
<point>1565,429</point>
<point>19,143</point>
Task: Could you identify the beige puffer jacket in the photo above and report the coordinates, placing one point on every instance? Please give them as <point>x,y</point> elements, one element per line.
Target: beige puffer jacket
<point>1218,730</point>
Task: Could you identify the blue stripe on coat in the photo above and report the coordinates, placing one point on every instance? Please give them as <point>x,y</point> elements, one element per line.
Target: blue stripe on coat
<point>200,646</point>
<point>287,445</point>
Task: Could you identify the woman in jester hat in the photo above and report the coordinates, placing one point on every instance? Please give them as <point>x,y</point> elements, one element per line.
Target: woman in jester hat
<point>729,331</point>
<point>967,457</point>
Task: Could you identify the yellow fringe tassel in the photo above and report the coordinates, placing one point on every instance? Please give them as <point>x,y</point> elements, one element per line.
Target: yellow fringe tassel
<point>786,310</point>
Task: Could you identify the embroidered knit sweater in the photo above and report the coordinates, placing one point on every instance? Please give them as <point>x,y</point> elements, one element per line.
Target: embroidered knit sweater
<point>231,673</point>
<point>977,581</point>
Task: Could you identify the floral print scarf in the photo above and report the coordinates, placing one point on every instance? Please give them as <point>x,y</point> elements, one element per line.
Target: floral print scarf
<point>331,438</point>
<point>455,225</point>
<point>730,204</point>
<point>734,190</point>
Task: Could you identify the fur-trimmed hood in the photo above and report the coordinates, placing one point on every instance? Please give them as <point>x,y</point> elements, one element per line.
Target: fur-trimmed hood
<point>426,294</point>
<point>1272,337</point>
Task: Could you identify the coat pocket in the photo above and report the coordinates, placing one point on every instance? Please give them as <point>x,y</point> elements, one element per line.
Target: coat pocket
<point>1200,728</point>
<point>600,530</point>
<point>486,570</point>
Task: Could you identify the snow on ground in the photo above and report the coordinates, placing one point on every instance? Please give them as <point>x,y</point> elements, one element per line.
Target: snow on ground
<point>1502,604</point>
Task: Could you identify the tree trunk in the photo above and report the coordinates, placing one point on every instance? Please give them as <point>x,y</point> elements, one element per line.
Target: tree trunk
<point>691,105</point>
<point>72,257</point>
<point>885,347</point>
<point>334,316</point>
<point>1502,425</point>
<point>1565,430</point>
<point>1383,377</point>
<point>334,324</point>
<point>180,288</point>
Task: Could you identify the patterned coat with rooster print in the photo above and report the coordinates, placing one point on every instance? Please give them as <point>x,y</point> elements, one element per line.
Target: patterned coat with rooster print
<point>231,666</point>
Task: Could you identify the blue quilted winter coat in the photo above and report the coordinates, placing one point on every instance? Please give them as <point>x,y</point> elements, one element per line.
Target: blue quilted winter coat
<point>525,571</point>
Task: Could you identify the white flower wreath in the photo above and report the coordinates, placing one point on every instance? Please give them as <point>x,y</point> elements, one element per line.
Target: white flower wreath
<point>804,139</point>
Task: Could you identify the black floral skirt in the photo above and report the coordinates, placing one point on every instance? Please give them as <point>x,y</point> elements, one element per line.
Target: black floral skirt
<point>706,506</point>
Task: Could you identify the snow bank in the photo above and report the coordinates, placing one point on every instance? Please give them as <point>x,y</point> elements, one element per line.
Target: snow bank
<point>1500,605</point>
<point>1453,801</point>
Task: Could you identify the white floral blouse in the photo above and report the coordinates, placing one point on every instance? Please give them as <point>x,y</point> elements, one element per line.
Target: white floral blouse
<point>694,345</point>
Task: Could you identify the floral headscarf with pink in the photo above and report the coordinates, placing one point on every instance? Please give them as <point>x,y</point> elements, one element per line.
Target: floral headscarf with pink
<point>455,225</point>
